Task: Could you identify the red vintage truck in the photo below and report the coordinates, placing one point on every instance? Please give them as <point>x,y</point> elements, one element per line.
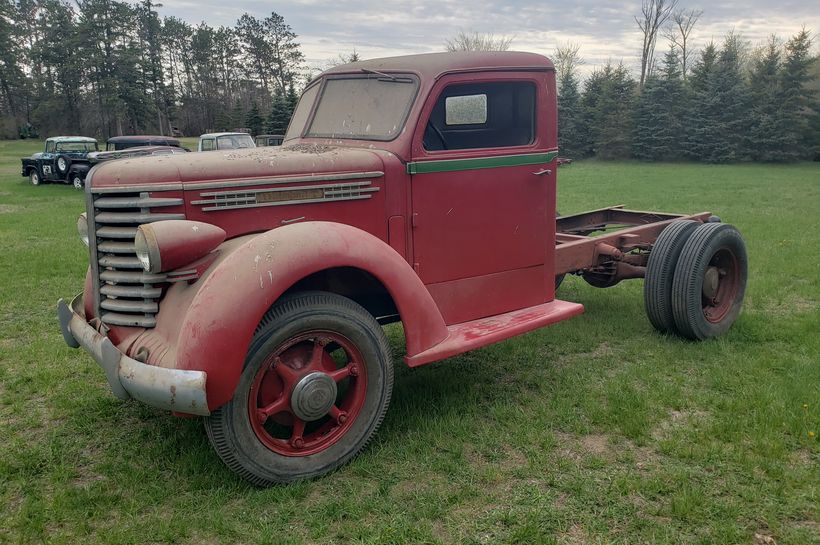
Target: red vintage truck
<point>250,286</point>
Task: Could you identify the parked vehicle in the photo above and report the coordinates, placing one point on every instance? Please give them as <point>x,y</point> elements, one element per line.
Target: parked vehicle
<point>64,159</point>
<point>130,153</point>
<point>269,140</point>
<point>117,143</point>
<point>225,141</point>
<point>250,287</point>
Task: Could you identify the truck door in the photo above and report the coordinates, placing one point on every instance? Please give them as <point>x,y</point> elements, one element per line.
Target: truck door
<point>483,194</point>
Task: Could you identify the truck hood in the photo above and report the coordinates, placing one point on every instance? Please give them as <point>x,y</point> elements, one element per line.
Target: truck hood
<point>224,167</point>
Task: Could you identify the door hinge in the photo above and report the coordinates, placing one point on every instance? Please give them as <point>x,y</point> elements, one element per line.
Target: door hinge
<point>414,219</point>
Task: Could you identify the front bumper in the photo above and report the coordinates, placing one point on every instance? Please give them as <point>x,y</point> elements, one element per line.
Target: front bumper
<point>171,389</point>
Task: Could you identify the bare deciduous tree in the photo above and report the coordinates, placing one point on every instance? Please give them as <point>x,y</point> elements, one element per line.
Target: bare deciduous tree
<point>567,58</point>
<point>683,21</point>
<point>477,41</point>
<point>654,14</point>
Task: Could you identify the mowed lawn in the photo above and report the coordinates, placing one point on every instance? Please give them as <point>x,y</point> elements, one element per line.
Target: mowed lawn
<point>596,430</point>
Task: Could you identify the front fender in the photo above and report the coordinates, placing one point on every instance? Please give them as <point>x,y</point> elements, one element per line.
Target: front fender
<point>220,322</point>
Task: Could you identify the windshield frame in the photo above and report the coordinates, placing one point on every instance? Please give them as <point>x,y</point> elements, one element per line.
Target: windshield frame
<point>402,77</point>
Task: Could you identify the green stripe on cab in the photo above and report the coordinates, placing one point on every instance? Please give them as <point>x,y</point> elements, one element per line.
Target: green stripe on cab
<point>452,165</point>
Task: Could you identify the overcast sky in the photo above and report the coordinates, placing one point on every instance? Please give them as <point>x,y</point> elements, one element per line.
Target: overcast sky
<point>604,29</point>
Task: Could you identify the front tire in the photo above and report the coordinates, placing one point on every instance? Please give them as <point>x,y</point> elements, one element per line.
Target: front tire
<point>77,181</point>
<point>316,385</point>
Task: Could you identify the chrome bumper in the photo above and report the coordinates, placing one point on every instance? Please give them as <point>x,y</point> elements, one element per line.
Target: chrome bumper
<point>170,389</point>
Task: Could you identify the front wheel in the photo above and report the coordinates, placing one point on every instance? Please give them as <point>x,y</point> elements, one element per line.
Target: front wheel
<point>316,385</point>
<point>77,181</point>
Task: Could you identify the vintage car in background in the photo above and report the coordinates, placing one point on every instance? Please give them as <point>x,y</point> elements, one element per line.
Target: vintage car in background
<point>250,287</point>
<point>264,140</point>
<point>225,141</point>
<point>64,159</point>
<point>116,143</point>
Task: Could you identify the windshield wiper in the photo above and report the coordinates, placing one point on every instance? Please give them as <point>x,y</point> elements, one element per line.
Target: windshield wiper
<point>384,76</point>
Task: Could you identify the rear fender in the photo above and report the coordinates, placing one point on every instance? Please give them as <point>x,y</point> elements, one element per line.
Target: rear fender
<point>219,325</point>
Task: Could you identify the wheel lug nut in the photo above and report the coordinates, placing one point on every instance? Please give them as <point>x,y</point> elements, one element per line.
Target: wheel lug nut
<point>298,442</point>
<point>354,371</point>
<point>342,418</point>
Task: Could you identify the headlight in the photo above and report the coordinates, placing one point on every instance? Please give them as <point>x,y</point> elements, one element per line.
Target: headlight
<point>147,251</point>
<point>82,227</point>
<point>164,246</point>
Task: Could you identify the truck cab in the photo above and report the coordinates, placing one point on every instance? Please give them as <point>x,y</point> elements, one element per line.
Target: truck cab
<point>225,141</point>
<point>249,286</point>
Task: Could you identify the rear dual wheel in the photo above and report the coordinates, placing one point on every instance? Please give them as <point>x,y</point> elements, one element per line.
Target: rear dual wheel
<point>316,385</point>
<point>696,279</point>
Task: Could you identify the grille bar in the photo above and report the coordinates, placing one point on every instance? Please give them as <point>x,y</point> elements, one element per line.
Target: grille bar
<point>125,295</point>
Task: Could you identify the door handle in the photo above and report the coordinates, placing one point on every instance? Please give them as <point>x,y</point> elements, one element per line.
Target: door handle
<point>542,172</point>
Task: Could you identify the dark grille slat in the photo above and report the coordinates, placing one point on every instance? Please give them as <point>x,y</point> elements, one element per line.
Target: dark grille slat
<point>132,277</point>
<point>135,217</point>
<point>137,292</point>
<point>130,305</point>
<point>117,232</point>
<point>116,247</point>
<point>115,318</point>
<point>120,262</point>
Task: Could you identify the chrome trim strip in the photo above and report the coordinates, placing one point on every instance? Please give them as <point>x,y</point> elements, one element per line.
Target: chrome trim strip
<point>283,203</point>
<point>139,202</point>
<point>279,190</point>
<point>239,182</point>
<point>176,186</point>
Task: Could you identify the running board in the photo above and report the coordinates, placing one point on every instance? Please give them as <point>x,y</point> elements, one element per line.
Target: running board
<point>477,333</point>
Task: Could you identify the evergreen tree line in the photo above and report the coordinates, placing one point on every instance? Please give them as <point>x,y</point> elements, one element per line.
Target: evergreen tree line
<point>106,67</point>
<point>734,105</point>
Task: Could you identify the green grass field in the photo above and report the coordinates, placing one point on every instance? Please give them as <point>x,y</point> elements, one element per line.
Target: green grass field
<point>596,430</point>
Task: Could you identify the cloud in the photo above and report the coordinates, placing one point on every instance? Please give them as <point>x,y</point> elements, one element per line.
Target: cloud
<point>606,30</point>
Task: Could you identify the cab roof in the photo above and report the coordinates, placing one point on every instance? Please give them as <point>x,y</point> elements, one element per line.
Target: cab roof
<point>142,138</point>
<point>70,139</point>
<point>434,65</point>
<point>218,134</point>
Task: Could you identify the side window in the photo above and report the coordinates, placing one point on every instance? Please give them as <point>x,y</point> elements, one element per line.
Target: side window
<point>482,115</point>
<point>465,110</point>
<point>50,147</point>
<point>208,144</point>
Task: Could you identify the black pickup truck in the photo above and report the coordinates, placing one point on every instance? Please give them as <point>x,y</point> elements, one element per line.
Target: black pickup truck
<point>64,160</point>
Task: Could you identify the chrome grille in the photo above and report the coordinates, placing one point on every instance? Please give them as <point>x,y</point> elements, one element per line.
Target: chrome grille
<point>125,294</point>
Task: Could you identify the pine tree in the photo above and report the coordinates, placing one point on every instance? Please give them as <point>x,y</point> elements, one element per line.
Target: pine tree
<point>571,133</point>
<point>253,119</point>
<point>279,115</point>
<point>237,116</point>
<point>799,104</point>
<point>769,133</point>
<point>659,130</point>
<point>608,111</point>
<point>720,120</point>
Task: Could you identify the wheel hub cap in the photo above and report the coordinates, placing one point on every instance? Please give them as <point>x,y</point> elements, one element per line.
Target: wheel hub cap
<point>313,396</point>
<point>711,281</point>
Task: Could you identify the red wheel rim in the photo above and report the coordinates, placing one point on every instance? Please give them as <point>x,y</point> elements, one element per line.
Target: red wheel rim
<point>718,300</point>
<point>270,401</point>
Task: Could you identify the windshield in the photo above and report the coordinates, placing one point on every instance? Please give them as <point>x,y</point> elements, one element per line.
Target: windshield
<point>372,107</point>
<point>76,146</point>
<point>235,141</point>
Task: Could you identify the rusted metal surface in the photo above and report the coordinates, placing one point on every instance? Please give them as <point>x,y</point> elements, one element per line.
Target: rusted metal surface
<point>636,231</point>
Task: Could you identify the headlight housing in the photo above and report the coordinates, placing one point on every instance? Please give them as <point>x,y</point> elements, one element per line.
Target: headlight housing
<point>164,246</point>
<point>82,227</point>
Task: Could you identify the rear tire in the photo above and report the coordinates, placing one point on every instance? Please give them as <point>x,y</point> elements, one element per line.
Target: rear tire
<point>280,425</point>
<point>660,270</point>
<point>709,282</point>
<point>34,178</point>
